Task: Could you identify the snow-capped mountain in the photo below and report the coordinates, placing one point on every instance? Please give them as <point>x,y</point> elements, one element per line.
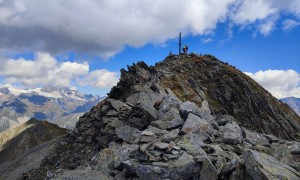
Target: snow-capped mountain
<point>293,102</point>
<point>62,106</point>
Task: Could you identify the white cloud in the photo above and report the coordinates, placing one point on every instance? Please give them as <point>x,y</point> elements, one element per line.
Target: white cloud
<point>279,83</point>
<point>207,40</point>
<point>289,24</point>
<point>292,6</point>
<point>104,27</point>
<point>266,28</point>
<point>5,85</point>
<point>100,79</point>
<point>101,26</point>
<point>46,70</point>
<point>249,11</point>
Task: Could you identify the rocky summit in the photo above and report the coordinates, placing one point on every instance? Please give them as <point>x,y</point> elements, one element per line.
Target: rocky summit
<point>187,117</point>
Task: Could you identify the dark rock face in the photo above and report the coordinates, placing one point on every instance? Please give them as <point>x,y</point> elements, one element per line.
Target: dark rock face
<point>159,123</point>
<point>26,136</point>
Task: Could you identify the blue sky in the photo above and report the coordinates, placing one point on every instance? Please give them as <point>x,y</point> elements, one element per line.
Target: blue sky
<point>84,44</point>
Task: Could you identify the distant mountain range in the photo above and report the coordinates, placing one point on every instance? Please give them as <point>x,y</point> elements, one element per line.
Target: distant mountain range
<point>62,106</point>
<point>293,102</point>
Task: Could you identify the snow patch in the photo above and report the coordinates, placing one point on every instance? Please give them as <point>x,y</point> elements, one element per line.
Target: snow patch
<point>17,92</point>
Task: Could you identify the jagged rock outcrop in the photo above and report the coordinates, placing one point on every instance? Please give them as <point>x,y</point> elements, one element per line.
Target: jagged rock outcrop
<point>189,117</point>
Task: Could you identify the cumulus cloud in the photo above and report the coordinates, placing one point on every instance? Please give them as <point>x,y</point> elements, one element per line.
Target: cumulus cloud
<point>280,83</point>
<point>100,79</point>
<point>292,6</point>
<point>104,27</point>
<point>100,26</point>
<point>249,11</point>
<point>46,70</point>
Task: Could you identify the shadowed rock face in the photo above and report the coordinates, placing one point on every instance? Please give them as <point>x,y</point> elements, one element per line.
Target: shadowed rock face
<point>15,141</point>
<point>189,117</point>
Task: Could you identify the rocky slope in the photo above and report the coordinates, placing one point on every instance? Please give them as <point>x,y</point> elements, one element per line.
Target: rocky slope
<point>27,160</point>
<point>293,102</point>
<point>14,141</point>
<point>62,106</point>
<point>189,117</point>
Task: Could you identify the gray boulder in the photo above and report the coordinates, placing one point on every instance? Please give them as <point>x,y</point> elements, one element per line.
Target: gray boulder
<point>190,107</point>
<point>170,136</point>
<point>282,154</point>
<point>231,133</point>
<point>208,171</point>
<point>147,100</point>
<point>295,148</point>
<point>205,112</point>
<point>193,144</point>
<point>181,168</point>
<point>119,105</point>
<point>222,120</point>
<point>254,138</point>
<point>129,134</point>
<point>192,123</point>
<point>195,124</point>
<point>169,120</point>
<point>156,131</point>
<point>169,102</point>
<point>263,166</point>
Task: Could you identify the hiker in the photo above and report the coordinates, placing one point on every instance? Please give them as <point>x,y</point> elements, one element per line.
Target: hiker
<point>185,49</point>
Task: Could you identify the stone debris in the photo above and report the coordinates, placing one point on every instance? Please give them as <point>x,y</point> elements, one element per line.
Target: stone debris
<point>231,133</point>
<point>144,131</point>
<point>263,166</point>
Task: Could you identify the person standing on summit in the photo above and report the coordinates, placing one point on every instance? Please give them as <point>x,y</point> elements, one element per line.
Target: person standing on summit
<point>185,49</point>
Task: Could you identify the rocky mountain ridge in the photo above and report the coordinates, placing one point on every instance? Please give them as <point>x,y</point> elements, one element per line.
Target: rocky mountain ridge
<point>62,106</point>
<point>188,117</point>
<point>14,141</point>
<point>22,148</point>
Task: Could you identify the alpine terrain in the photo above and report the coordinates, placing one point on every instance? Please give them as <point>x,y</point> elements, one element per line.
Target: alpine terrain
<point>62,106</point>
<point>23,147</point>
<point>187,117</point>
<point>293,102</point>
